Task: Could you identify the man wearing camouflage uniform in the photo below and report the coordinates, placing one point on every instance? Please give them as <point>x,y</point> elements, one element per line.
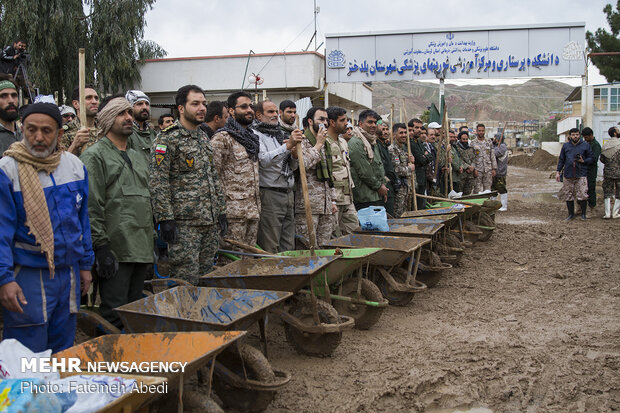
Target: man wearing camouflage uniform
<point>442,170</point>
<point>404,166</point>
<point>78,137</point>
<point>143,133</point>
<point>486,164</point>
<point>235,154</point>
<point>346,218</point>
<point>188,201</point>
<point>610,157</point>
<point>468,161</point>
<point>499,181</point>
<point>319,174</point>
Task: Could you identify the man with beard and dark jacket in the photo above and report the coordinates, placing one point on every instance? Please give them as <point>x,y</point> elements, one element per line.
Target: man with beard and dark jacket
<point>288,111</point>
<point>9,132</point>
<point>575,157</point>
<point>143,133</point>
<point>391,180</point>
<point>421,156</point>
<point>235,154</point>
<point>588,136</point>
<point>276,163</point>
<point>366,164</point>
<point>216,117</point>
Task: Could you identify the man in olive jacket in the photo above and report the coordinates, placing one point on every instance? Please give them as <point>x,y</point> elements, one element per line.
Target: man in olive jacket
<point>119,205</point>
<point>366,165</point>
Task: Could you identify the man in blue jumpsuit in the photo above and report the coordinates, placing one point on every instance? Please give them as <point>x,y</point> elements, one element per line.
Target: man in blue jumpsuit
<point>45,247</point>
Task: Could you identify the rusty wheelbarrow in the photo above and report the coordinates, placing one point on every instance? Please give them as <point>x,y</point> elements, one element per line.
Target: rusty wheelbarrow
<point>313,327</point>
<point>245,379</point>
<point>479,217</point>
<point>341,284</point>
<point>395,285</point>
<point>196,349</point>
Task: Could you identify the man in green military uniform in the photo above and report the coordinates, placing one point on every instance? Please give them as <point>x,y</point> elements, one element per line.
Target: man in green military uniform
<point>143,133</point>
<point>391,179</point>
<point>78,137</point>
<point>588,136</point>
<point>188,200</point>
<point>468,161</point>
<point>403,167</point>
<point>421,156</point>
<point>366,165</point>
<point>119,206</point>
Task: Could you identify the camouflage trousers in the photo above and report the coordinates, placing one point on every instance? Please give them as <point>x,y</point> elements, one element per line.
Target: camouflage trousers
<point>483,182</point>
<point>575,188</point>
<point>323,227</point>
<point>400,203</point>
<point>193,253</point>
<point>242,230</point>
<point>499,184</point>
<point>467,185</point>
<point>346,220</point>
<point>611,187</point>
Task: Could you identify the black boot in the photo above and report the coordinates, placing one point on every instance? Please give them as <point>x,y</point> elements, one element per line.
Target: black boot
<point>571,210</point>
<point>584,208</point>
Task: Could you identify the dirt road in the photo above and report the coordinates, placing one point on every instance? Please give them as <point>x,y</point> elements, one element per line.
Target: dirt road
<point>529,322</point>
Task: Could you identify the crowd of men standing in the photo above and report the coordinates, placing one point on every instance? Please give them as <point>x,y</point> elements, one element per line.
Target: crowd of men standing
<point>114,189</point>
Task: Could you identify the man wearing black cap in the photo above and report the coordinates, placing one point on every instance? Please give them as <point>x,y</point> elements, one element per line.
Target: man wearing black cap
<point>9,132</point>
<point>44,234</point>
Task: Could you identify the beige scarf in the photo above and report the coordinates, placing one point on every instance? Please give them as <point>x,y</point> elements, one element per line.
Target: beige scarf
<point>37,214</point>
<point>611,147</point>
<point>367,139</point>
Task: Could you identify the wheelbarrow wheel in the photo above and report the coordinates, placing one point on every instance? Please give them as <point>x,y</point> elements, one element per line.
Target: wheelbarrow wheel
<point>472,228</point>
<point>257,368</point>
<point>487,221</point>
<point>312,344</point>
<point>432,260</point>
<point>365,316</point>
<point>398,298</point>
<point>453,241</point>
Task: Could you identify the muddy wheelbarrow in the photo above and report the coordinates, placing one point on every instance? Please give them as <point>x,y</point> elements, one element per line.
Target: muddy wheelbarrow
<point>197,349</point>
<point>245,379</point>
<point>313,327</point>
<point>341,283</point>
<point>397,286</point>
<point>480,217</point>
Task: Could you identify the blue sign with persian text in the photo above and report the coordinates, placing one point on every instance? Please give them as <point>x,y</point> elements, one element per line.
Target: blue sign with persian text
<point>457,54</point>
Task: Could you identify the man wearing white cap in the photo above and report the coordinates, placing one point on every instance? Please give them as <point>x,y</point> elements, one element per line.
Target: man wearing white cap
<point>143,134</point>
<point>67,113</point>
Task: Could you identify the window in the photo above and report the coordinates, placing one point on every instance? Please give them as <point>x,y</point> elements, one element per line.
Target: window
<point>614,103</point>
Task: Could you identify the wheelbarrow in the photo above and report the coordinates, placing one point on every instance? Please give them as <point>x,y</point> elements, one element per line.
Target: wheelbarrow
<point>187,308</point>
<point>351,295</point>
<point>466,229</point>
<point>313,327</point>
<point>197,349</point>
<point>395,285</point>
<point>480,216</point>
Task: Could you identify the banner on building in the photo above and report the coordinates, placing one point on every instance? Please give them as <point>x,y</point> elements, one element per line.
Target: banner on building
<point>467,53</point>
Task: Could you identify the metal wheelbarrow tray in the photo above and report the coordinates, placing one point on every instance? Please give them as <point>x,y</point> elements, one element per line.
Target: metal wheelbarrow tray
<point>312,327</point>
<point>350,294</point>
<point>480,215</point>
<point>214,309</point>
<point>398,288</point>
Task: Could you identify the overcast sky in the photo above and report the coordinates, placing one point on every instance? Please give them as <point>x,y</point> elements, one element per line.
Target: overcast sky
<point>217,27</point>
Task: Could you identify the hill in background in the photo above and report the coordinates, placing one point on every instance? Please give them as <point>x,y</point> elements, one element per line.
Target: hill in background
<point>534,99</point>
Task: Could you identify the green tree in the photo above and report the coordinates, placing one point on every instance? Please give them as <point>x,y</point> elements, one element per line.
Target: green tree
<point>425,117</point>
<point>112,33</point>
<point>550,132</point>
<point>602,41</point>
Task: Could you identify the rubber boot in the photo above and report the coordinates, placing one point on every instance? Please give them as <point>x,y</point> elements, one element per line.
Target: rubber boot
<point>504,199</point>
<point>616,213</point>
<point>584,207</point>
<point>607,208</point>
<point>570,205</point>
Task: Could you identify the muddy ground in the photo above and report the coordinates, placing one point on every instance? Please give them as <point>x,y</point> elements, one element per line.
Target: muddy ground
<point>529,322</point>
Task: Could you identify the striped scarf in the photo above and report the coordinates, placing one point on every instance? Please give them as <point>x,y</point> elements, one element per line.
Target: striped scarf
<point>37,214</point>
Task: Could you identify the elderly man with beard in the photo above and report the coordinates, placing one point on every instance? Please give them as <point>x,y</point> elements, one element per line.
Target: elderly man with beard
<point>9,132</point>
<point>276,161</point>
<point>78,137</point>
<point>45,242</point>
<point>119,205</point>
<point>143,133</point>
<point>235,155</point>
<point>288,112</point>
<point>319,175</point>
<point>188,201</point>
<point>366,164</point>
<point>573,162</point>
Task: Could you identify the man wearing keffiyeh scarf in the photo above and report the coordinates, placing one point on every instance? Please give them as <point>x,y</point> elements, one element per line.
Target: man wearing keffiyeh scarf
<point>44,234</point>
<point>235,155</point>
